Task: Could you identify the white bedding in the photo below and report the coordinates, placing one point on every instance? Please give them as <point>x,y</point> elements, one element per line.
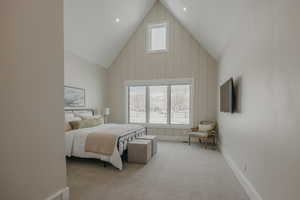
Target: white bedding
<point>75,144</point>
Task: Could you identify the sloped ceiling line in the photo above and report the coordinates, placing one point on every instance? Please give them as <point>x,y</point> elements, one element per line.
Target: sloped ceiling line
<point>92,33</point>
<point>90,29</point>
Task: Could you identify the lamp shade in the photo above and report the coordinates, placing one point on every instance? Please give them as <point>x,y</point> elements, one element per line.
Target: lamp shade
<point>107,111</point>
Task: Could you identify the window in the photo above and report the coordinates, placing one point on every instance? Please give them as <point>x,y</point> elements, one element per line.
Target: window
<point>158,100</point>
<point>137,104</point>
<point>160,103</point>
<point>180,104</point>
<point>157,37</point>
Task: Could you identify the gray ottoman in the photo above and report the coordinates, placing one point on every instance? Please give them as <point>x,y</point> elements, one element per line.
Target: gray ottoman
<point>139,151</point>
<point>153,139</point>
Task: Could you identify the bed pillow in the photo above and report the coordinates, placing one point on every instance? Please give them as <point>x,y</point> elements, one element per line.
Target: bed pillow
<point>88,123</point>
<point>68,119</point>
<point>67,126</point>
<point>100,117</point>
<point>69,116</point>
<point>84,117</point>
<point>73,119</point>
<point>82,114</point>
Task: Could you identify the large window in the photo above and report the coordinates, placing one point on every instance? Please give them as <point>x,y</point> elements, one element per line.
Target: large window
<point>158,101</point>
<point>180,104</point>
<point>157,37</point>
<point>137,104</point>
<point>165,103</point>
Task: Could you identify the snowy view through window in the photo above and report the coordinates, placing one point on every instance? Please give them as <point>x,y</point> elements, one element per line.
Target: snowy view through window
<point>180,104</point>
<point>158,104</point>
<point>137,104</point>
<point>157,109</point>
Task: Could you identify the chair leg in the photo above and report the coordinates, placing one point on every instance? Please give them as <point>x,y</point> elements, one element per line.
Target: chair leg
<point>189,140</point>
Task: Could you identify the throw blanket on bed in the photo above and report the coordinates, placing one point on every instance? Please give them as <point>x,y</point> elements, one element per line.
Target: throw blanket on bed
<point>103,141</point>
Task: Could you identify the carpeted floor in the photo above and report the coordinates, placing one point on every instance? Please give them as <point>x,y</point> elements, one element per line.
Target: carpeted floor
<point>177,172</point>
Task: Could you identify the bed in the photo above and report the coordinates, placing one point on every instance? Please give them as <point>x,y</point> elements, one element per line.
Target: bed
<point>76,140</point>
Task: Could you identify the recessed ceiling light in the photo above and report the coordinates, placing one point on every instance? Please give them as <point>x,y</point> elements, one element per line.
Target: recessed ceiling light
<point>117,20</point>
<point>184,9</point>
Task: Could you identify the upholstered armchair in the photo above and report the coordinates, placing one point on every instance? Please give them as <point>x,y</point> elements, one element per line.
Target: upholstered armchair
<point>205,132</point>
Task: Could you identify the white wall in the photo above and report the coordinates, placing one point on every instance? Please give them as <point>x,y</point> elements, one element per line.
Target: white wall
<point>185,59</point>
<point>31,86</point>
<point>93,78</point>
<point>264,135</point>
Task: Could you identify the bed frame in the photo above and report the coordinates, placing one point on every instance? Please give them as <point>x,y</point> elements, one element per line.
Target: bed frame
<point>124,139</point>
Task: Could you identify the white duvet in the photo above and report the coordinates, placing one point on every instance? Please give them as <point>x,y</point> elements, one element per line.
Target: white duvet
<point>75,144</point>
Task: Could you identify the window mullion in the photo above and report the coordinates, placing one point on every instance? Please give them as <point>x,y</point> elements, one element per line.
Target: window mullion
<point>147,104</point>
<point>169,105</point>
<point>128,105</point>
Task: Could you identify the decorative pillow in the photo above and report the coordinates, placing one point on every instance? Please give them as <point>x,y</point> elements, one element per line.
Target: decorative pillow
<point>69,115</point>
<point>73,119</point>
<point>88,123</point>
<point>206,127</point>
<point>83,114</point>
<point>84,117</point>
<point>67,126</point>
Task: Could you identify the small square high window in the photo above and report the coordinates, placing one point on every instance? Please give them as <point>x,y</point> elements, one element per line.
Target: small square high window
<point>157,40</point>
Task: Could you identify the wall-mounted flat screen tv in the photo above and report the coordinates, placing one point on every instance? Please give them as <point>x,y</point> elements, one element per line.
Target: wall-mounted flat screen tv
<point>227,97</point>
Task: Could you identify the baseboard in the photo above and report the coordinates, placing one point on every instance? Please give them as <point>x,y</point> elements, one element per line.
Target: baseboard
<point>246,184</point>
<point>62,194</point>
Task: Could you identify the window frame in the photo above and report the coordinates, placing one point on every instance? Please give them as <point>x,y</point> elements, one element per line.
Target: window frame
<point>149,105</point>
<point>128,104</point>
<point>169,83</point>
<point>148,37</point>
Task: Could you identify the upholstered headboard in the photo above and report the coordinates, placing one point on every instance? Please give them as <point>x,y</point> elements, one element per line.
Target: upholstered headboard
<point>85,111</point>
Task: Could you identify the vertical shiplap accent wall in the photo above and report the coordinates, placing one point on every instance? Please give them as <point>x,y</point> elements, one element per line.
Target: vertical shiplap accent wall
<point>185,59</point>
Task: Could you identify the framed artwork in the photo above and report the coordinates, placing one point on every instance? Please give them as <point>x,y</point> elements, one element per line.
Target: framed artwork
<point>74,97</point>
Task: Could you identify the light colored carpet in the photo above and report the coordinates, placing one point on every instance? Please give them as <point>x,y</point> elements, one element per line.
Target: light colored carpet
<point>177,172</point>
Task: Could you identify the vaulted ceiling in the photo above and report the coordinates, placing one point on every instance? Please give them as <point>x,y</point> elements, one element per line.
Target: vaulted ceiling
<point>211,22</point>
<point>91,30</point>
